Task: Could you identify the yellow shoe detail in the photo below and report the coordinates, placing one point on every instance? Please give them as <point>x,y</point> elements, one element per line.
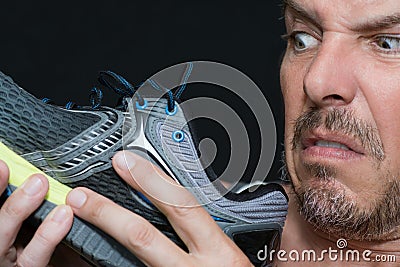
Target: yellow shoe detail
<point>20,170</point>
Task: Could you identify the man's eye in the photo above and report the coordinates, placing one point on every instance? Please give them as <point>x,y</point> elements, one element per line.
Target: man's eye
<point>303,41</point>
<point>389,44</point>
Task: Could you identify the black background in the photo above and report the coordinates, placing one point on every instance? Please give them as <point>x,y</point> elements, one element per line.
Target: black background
<point>55,49</point>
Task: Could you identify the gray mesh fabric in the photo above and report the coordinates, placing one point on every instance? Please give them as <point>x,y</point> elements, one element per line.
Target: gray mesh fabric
<point>27,124</point>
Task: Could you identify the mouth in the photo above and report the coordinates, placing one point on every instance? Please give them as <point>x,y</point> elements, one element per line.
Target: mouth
<point>320,144</point>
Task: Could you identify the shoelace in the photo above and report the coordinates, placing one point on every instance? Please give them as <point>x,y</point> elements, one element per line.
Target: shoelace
<point>125,89</point>
<point>95,98</point>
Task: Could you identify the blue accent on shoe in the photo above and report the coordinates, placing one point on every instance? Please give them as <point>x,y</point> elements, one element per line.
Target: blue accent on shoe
<point>145,199</point>
<point>218,219</point>
<point>70,105</point>
<point>184,82</point>
<point>171,97</point>
<point>127,90</point>
<point>46,100</point>
<point>8,191</point>
<point>121,86</point>
<point>178,136</point>
<point>171,102</point>
<point>154,84</point>
<point>141,107</point>
<point>95,97</point>
<point>173,112</point>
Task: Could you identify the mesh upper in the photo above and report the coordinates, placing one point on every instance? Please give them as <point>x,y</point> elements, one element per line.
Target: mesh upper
<point>27,124</point>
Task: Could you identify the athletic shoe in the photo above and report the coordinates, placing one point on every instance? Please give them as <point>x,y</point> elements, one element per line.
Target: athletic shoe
<point>74,147</point>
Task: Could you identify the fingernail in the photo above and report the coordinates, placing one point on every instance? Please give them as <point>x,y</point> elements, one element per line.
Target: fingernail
<point>77,198</point>
<point>60,215</point>
<point>32,186</point>
<point>125,160</point>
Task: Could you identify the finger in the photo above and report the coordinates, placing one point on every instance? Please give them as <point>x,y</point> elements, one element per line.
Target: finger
<point>4,174</point>
<point>131,230</point>
<point>9,259</point>
<point>177,203</point>
<point>49,234</point>
<point>18,207</point>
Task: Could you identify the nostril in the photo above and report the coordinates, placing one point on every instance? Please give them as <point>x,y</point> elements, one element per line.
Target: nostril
<point>337,97</point>
<point>333,98</point>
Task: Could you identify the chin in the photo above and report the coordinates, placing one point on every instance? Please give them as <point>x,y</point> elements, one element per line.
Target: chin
<point>331,206</point>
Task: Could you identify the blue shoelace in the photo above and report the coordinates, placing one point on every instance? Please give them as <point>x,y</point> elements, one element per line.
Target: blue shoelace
<point>125,89</point>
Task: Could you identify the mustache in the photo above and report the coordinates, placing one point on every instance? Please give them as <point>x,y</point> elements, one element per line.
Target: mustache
<point>342,121</point>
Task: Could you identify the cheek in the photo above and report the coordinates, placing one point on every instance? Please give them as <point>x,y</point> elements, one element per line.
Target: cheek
<point>383,97</point>
<point>388,124</point>
<point>291,77</point>
<point>292,90</point>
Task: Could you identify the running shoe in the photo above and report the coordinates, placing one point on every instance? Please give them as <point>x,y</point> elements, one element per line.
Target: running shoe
<point>73,146</point>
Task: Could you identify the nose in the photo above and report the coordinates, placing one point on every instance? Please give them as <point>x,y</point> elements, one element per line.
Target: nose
<point>330,79</point>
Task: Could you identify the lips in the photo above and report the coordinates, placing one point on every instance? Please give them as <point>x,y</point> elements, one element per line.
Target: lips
<point>331,145</point>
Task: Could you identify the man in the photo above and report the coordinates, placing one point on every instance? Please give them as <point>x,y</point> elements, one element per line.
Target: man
<point>340,84</point>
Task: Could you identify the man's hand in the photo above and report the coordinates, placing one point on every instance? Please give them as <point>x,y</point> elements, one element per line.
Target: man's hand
<point>207,244</point>
<point>24,201</point>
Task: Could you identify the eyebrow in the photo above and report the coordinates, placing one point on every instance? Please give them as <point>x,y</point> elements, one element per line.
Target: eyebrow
<point>300,11</point>
<point>378,23</point>
<point>370,25</point>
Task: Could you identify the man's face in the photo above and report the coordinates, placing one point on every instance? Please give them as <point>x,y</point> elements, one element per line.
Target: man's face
<point>340,80</point>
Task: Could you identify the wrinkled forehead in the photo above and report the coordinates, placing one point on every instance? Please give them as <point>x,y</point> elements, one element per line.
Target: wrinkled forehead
<point>345,12</point>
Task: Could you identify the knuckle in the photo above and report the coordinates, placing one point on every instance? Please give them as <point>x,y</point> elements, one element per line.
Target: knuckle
<point>25,260</point>
<point>183,211</point>
<point>43,237</point>
<point>18,206</point>
<point>97,209</point>
<point>11,254</point>
<point>11,209</point>
<point>140,236</point>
